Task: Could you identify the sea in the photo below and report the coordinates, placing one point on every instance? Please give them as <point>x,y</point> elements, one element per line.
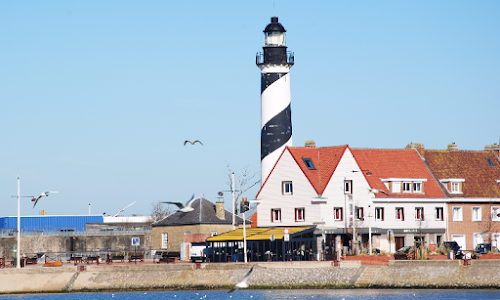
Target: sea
<point>340,294</point>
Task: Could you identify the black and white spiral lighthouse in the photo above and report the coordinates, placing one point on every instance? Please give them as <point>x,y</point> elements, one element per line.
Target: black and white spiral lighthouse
<point>276,116</point>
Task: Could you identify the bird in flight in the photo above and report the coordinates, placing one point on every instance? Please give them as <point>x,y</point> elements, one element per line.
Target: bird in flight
<point>44,194</point>
<point>192,143</point>
<point>181,206</point>
<point>377,191</point>
<point>243,283</point>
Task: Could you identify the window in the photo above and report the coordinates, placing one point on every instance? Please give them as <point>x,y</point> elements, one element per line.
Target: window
<point>300,215</point>
<point>400,214</point>
<point>417,187</point>
<point>309,163</point>
<point>406,187</point>
<point>490,162</point>
<point>213,233</point>
<point>457,213</point>
<point>287,188</point>
<point>455,187</point>
<point>439,214</point>
<point>348,186</point>
<point>379,213</point>
<point>164,240</point>
<point>476,214</point>
<point>396,187</point>
<point>359,213</point>
<point>495,211</point>
<point>338,214</point>
<point>275,215</point>
<point>419,213</point>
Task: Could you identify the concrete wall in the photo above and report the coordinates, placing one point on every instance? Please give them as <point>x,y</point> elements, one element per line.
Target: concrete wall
<point>399,274</point>
<point>36,244</point>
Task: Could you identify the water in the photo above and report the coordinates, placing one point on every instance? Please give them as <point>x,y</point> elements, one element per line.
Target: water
<point>334,294</point>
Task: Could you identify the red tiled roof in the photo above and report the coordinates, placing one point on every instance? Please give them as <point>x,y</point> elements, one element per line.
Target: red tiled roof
<point>325,160</point>
<point>480,178</point>
<point>395,163</point>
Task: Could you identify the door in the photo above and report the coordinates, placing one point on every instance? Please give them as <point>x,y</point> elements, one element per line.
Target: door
<point>400,242</point>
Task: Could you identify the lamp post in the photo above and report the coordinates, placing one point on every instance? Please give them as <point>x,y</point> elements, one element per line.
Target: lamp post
<point>370,229</point>
<point>18,259</point>
<point>245,233</point>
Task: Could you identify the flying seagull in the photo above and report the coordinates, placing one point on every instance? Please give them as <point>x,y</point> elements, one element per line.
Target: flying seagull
<point>243,283</point>
<point>181,206</point>
<point>44,194</point>
<point>192,143</point>
<point>377,191</point>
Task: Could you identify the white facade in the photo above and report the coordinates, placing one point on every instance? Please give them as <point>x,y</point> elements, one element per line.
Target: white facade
<point>319,210</point>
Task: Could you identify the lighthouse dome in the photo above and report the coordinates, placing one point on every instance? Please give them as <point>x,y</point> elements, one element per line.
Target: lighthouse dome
<point>274,26</point>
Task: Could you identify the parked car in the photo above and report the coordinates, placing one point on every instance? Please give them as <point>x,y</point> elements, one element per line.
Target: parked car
<point>482,248</point>
<point>403,253</point>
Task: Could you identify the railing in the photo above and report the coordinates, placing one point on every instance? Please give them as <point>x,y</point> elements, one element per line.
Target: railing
<point>290,58</point>
<point>76,231</point>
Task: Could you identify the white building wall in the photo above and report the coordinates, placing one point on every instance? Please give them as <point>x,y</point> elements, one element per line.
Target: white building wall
<point>272,198</point>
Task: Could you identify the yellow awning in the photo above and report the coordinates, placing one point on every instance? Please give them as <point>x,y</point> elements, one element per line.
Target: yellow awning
<point>256,234</point>
<point>236,235</point>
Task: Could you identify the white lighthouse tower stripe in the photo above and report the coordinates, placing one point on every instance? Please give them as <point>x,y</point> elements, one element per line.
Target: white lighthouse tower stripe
<point>276,119</point>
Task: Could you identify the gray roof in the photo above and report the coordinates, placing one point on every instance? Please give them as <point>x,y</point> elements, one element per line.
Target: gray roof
<point>204,213</point>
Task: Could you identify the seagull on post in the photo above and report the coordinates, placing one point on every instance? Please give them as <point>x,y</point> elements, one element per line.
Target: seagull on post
<point>243,283</point>
<point>192,143</point>
<point>377,191</point>
<point>44,194</point>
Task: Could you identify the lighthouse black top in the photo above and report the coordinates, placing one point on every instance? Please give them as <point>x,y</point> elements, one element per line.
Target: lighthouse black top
<point>275,50</point>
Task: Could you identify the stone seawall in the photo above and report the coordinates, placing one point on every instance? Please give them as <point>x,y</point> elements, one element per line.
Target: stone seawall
<point>399,274</point>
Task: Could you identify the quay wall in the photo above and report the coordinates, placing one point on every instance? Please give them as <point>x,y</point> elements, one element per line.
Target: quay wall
<point>124,276</point>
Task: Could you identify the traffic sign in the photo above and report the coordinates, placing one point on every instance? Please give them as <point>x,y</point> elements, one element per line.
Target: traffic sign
<point>286,237</point>
<point>136,241</point>
<point>286,231</point>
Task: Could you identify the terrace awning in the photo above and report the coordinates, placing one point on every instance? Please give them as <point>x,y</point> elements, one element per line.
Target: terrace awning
<point>258,234</point>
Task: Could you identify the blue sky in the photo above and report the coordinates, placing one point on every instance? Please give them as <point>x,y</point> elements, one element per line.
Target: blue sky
<point>97,97</point>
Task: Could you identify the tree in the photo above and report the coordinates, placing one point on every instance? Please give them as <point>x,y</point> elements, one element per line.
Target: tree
<point>242,183</point>
<point>159,211</point>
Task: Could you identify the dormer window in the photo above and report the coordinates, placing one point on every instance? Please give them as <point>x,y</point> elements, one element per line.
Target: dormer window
<point>453,185</point>
<point>404,185</point>
<point>309,163</point>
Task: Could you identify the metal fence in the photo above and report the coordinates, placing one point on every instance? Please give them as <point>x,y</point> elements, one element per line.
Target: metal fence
<point>76,231</point>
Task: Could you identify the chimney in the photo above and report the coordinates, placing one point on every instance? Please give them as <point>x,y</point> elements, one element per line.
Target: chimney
<point>417,146</point>
<point>43,212</point>
<point>452,147</point>
<point>219,210</point>
<point>493,147</point>
<point>310,143</point>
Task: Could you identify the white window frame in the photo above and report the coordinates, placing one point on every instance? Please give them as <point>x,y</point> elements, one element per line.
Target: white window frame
<point>419,214</point>
<point>340,211</point>
<point>303,216</point>
<point>164,240</point>
<point>359,213</point>
<point>287,188</point>
<point>455,187</point>
<point>402,217</point>
<point>379,213</point>
<point>439,213</point>
<point>477,214</point>
<point>276,215</point>
<point>457,213</point>
<point>406,187</point>
<point>495,210</point>
<point>417,187</point>
<point>347,186</point>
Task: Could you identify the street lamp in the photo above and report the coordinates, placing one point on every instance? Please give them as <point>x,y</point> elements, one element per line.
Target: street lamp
<point>245,232</point>
<point>370,229</point>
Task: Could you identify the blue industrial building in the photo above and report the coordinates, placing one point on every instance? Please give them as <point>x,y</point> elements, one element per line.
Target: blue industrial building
<point>49,223</point>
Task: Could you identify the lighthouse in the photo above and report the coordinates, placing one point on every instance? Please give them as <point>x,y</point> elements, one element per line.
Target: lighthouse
<point>276,115</point>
